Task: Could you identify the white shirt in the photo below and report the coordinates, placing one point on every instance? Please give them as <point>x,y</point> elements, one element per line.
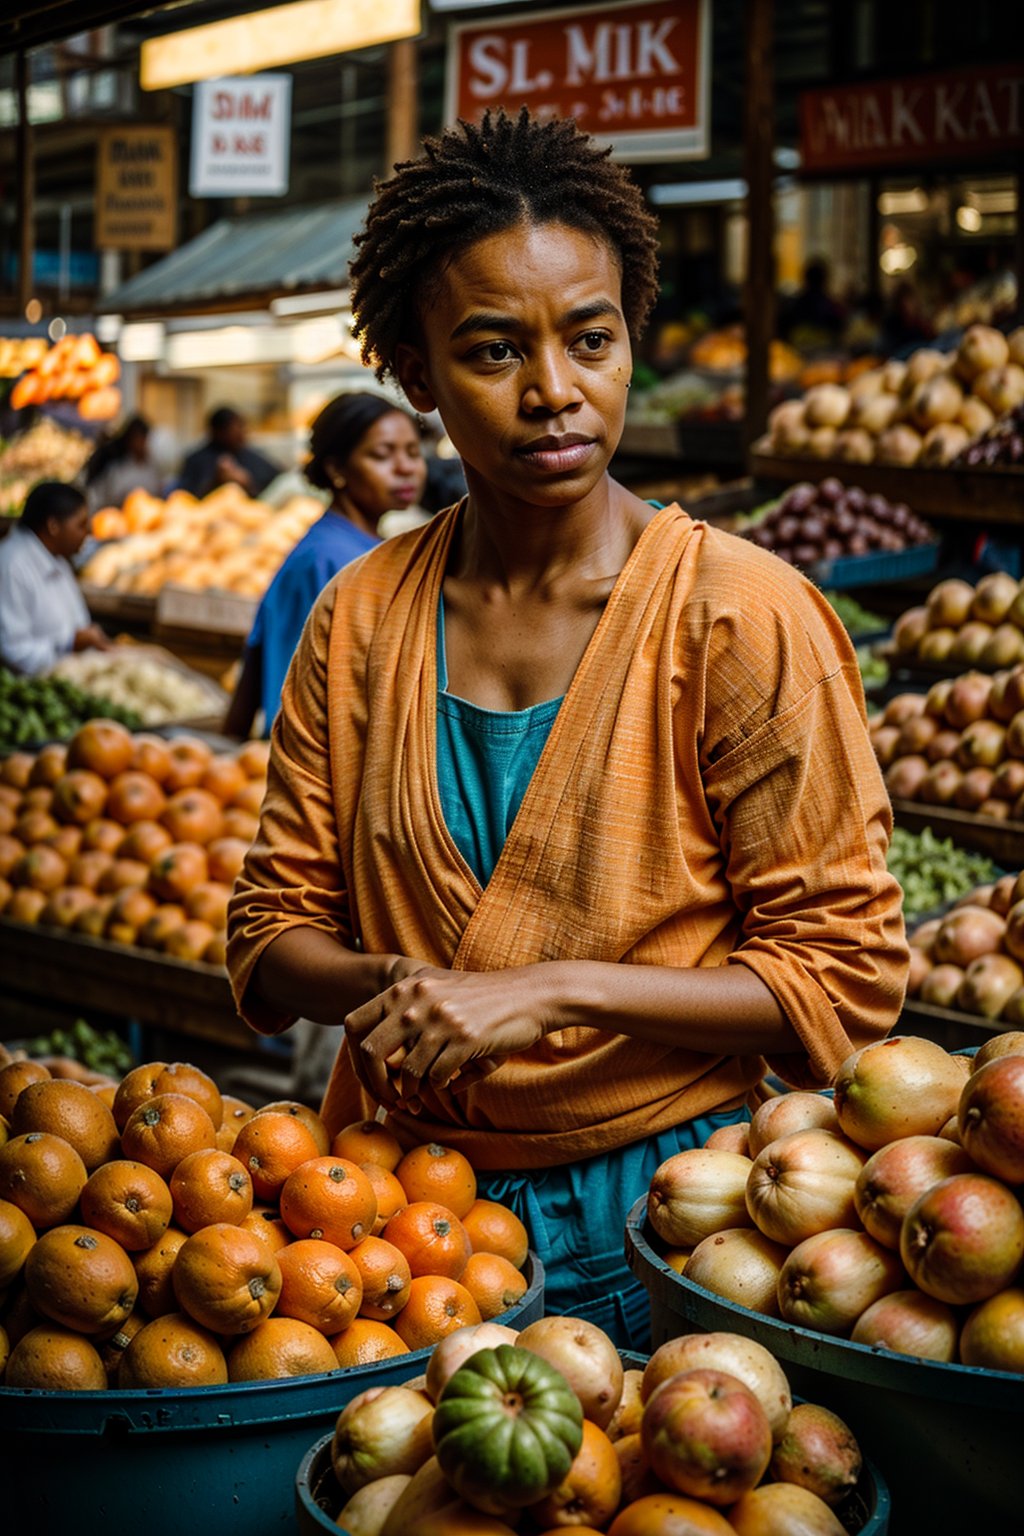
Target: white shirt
<point>41,603</point>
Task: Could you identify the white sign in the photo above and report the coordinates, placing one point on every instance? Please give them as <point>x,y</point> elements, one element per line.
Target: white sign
<point>241,136</point>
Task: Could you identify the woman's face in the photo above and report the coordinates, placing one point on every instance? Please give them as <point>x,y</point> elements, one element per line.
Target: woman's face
<point>385,470</point>
<point>527,357</point>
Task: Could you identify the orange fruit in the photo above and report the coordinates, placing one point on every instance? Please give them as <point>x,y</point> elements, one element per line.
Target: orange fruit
<point>367,1141</point>
<point>327,1197</point>
<point>225,857</point>
<point>25,905</point>
<point>591,1489</point>
<point>134,796</point>
<point>436,1307</point>
<point>68,1109</point>
<point>43,1175</point>
<point>279,1347</point>
<point>79,796</point>
<point>123,875</point>
<point>113,1348</point>
<point>68,841</point>
<point>16,768</point>
<point>20,1315</point>
<point>224,777</point>
<point>144,840</point>
<point>190,757</point>
<point>134,1088</point>
<point>103,835</point>
<point>56,1360</point>
<point>16,1076</point>
<point>209,1186</point>
<point>129,1202</point>
<point>240,824</point>
<point>165,1129</point>
<point>190,941</point>
<point>103,746</point>
<point>11,850</point>
<point>309,1117</point>
<point>365,1341</point>
<point>434,1172</point>
<point>236,1113</point>
<point>172,1351</point>
<point>254,758</point>
<point>226,1279</point>
<point>272,1146</point>
<point>81,1279</point>
<point>265,1221</point>
<point>208,903</point>
<point>17,1236</point>
<point>183,1077</point>
<point>130,909</point>
<point>87,869</point>
<point>151,755</point>
<point>494,1284</point>
<point>193,816</point>
<point>175,871</point>
<point>66,906</point>
<point>391,1197</point>
<point>153,1269</point>
<point>106,1092</point>
<point>432,1238</point>
<point>385,1276</point>
<point>321,1285</point>
<point>493,1228</point>
<point>158,927</point>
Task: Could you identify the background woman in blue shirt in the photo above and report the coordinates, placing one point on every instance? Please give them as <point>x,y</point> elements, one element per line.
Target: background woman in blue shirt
<point>367,453</point>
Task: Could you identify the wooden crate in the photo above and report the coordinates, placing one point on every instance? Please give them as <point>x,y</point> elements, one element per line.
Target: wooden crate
<point>989,496</point>
<point>1001,840</point>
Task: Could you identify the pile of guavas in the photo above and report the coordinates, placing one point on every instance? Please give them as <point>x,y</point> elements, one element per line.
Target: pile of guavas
<point>972,958</point>
<point>888,1213</point>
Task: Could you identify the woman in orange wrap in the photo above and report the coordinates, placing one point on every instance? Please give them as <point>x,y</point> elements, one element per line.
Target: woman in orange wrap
<point>572,819</point>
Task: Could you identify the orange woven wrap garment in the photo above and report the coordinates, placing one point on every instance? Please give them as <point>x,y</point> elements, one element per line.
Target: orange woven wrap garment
<point>707,795</point>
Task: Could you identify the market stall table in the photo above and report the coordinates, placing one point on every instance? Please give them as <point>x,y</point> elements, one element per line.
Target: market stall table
<point>990,496</point>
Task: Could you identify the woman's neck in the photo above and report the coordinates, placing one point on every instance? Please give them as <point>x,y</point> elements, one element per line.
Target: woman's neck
<point>343,503</point>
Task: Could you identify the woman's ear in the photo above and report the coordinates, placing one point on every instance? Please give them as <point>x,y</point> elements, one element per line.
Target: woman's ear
<point>412,375</point>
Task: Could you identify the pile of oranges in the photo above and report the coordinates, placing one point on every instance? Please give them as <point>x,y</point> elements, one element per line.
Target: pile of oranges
<point>156,1233</point>
<point>130,838</point>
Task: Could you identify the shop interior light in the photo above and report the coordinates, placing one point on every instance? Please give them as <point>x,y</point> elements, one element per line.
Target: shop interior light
<point>284,34</point>
<point>108,329</point>
<point>677,194</point>
<point>33,311</point>
<point>141,341</point>
<point>968,218</point>
<point>325,302</point>
<point>897,259</point>
<point>913,200</point>
<point>999,200</point>
<point>57,328</point>
<point>228,346</point>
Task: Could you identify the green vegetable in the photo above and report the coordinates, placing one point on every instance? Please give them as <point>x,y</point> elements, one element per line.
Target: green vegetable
<point>506,1429</point>
<point>855,619</point>
<point>933,871</point>
<point>38,709</point>
<point>873,670</point>
<point>100,1050</point>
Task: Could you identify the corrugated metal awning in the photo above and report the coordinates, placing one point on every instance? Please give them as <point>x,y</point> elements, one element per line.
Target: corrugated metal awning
<point>255,257</point>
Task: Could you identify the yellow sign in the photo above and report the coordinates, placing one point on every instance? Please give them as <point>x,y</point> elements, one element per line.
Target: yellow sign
<point>137,189</point>
<point>284,34</point>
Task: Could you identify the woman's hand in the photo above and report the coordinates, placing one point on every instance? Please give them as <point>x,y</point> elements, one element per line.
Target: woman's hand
<point>447,1027</point>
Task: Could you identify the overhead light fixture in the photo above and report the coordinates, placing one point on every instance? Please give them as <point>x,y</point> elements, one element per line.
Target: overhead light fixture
<point>1000,200</point>
<point>141,341</point>
<point>897,259</point>
<point>327,300</point>
<point>913,200</point>
<point>284,34</point>
<point>108,329</point>
<point>229,346</point>
<point>969,219</point>
<point>679,193</point>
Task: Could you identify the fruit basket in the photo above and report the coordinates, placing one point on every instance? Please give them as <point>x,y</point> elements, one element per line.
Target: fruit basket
<point>318,1498</point>
<point>226,1455</point>
<point>948,1435</point>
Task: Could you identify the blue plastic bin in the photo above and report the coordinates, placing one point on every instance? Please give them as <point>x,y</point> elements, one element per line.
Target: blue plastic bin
<point>192,1460</point>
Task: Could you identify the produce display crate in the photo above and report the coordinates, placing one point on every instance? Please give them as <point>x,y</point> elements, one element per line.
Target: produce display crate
<point>212,1459</point>
<point>870,570</point>
<point>55,966</point>
<point>226,614</point>
<point>318,1498</point>
<point>989,496</point>
<point>1001,840</point>
<point>948,1027</point>
<point>649,439</point>
<point>129,608</point>
<point>947,1436</point>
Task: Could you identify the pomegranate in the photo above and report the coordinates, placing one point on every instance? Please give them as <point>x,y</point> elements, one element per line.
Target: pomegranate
<point>783,1509</point>
<point>789,1112</point>
<point>587,1359</point>
<point>383,1432</point>
<point>963,1240</point>
<point>743,1358</point>
<point>991,1118</point>
<point>705,1434</point>
<point>909,1323</point>
<point>902,1086</point>
<point>742,1265</point>
<point>802,1184</point>
<point>896,1175</point>
<point>993,1335</point>
<point>831,1278</point>
<point>698,1192</point>
<point>818,1452</point>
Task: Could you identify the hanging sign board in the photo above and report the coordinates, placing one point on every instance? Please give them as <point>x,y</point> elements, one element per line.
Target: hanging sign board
<point>137,188</point>
<point>241,136</point>
<point>633,73</point>
<point>966,114</point>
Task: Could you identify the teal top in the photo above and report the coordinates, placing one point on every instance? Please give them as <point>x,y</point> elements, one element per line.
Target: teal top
<point>485,760</point>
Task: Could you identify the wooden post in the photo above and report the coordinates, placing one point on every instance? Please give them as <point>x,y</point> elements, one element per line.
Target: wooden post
<point>25,214</point>
<point>759,143</point>
<point>403,114</point>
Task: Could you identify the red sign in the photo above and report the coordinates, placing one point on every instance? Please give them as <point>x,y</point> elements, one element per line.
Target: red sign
<point>635,73</point>
<point>970,113</point>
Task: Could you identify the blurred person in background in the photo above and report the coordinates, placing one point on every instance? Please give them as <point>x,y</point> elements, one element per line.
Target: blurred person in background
<point>121,464</point>
<point>812,318</point>
<point>226,458</point>
<point>42,611</point>
<point>366,452</point>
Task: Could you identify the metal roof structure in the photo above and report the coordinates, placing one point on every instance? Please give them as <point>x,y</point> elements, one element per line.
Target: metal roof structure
<point>238,260</point>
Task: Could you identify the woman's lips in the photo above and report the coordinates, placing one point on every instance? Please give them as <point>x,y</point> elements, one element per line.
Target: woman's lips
<point>557,454</point>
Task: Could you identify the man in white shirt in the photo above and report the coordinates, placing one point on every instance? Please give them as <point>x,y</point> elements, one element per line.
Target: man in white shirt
<point>42,610</point>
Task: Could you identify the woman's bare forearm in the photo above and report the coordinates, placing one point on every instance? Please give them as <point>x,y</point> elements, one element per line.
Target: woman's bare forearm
<point>307,972</point>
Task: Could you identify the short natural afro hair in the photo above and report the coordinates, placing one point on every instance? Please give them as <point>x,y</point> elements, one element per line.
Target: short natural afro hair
<point>476,181</point>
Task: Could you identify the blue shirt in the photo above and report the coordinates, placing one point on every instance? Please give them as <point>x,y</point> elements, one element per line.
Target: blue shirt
<point>485,761</point>
<point>320,554</point>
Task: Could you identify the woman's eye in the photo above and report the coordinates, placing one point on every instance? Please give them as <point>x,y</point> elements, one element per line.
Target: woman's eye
<point>497,352</point>
<point>594,341</point>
